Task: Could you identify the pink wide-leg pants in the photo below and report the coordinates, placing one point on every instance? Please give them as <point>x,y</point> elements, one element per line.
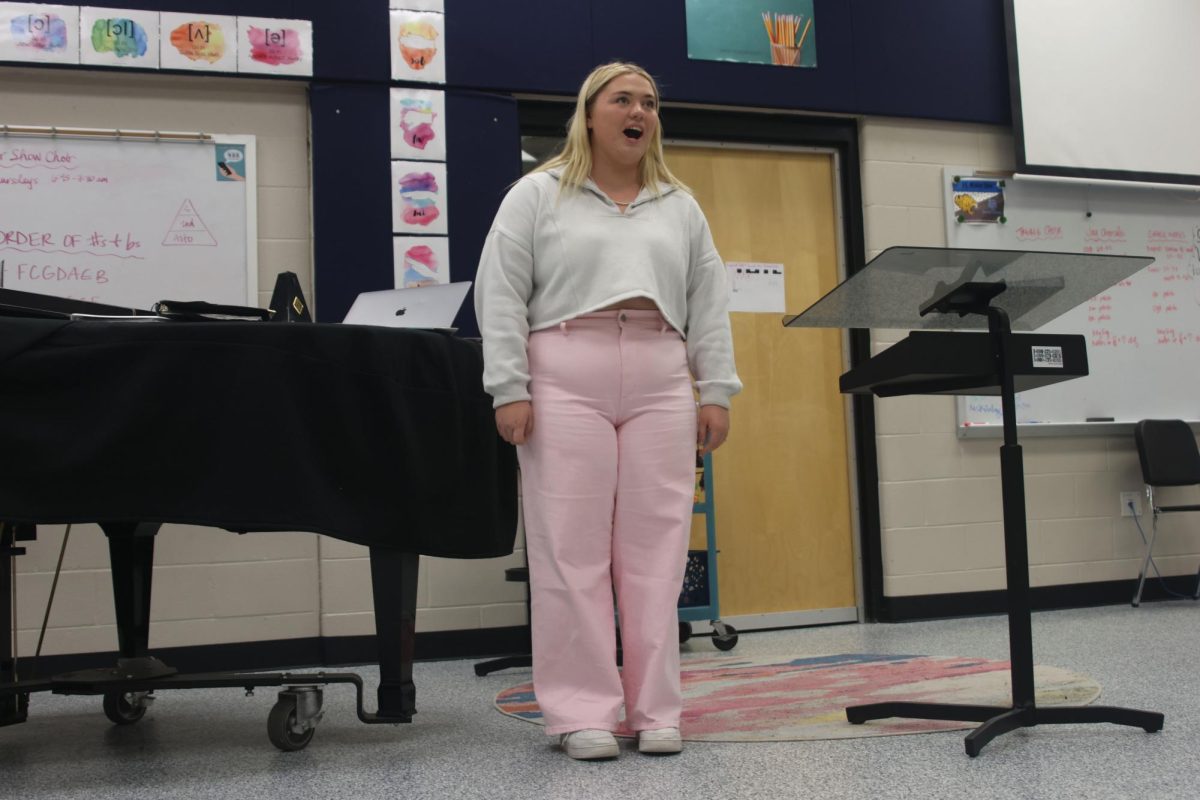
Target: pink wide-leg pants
<point>607,483</point>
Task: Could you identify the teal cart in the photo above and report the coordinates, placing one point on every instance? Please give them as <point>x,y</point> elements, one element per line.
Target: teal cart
<point>698,601</point>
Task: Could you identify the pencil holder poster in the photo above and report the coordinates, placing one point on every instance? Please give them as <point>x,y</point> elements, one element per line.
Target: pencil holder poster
<point>117,37</point>
<point>418,122</point>
<point>206,42</point>
<point>275,46</point>
<point>418,46</point>
<point>778,32</point>
<point>419,197</point>
<point>420,261</point>
<point>39,33</point>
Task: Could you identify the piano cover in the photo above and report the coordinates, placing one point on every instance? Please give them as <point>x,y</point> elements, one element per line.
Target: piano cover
<point>375,436</point>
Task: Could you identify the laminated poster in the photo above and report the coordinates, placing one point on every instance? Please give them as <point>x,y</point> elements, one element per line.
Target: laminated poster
<point>41,34</point>
<point>420,261</point>
<point>275,46</point>
<point>118,37</point>
<point>418,46</point>
<point>206,42</point>
<point>419,197</point>
<point>418,121</point>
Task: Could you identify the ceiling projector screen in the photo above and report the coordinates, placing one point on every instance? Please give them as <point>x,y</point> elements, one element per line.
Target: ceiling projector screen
<point>1106,88</point>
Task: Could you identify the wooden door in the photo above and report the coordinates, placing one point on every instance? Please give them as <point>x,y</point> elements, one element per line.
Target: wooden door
<point>781,482</point>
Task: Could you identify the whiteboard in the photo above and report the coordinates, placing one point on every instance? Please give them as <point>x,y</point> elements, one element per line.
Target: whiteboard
<point>1143,335</point>
<point>127,221</point>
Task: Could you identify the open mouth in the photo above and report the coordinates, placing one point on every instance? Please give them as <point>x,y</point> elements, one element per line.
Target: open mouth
<point>633,133</point>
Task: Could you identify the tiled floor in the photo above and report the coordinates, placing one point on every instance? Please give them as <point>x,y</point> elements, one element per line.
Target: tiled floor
<point>213,743</point>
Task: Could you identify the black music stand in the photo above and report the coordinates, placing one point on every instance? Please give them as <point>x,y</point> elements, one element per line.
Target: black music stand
<point>910,287</point>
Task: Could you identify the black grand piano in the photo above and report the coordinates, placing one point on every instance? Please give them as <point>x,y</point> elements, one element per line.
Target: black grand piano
<point>377,436</point>
<point>957,292</point>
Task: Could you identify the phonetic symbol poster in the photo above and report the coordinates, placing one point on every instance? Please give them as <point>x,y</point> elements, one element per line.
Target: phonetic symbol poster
<point>418,122</point>
<point>275,46</point>
<point>418,5</point>
<point>420,261</point>
<point>418,46</point>
<point>42,34</point>
<point>206,42</point>
<point>419,197</point>
<point>117,37</point>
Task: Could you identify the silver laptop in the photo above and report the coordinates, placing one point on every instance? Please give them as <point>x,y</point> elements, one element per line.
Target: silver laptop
<point>423,307</point>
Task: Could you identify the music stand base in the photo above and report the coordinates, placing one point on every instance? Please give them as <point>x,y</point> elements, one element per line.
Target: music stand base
<point>998,720</point>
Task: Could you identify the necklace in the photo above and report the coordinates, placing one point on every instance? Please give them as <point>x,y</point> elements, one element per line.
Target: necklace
<point>619,203</point>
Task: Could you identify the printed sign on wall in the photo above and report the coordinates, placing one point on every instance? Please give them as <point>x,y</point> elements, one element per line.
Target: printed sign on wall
<point>42,34</point>
<point>205,42</point>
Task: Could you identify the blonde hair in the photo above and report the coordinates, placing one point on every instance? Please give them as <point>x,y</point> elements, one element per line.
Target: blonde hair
<point>575,160</point>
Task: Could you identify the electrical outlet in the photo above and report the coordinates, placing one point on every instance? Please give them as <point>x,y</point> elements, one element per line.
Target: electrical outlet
<point>1131,497</point>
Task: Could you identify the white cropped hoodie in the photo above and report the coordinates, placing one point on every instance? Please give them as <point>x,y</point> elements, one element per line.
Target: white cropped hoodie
<point>548,259</point>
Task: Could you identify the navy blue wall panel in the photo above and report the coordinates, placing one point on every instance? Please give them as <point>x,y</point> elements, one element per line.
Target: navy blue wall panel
<point>483,158</point>
<point>939,59</point>
<point>527,46</point>
<point>946,61</point>
<point>352,208</point>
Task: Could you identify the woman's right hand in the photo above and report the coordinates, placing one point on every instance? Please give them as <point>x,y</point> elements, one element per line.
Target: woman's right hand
<point>514,421</point>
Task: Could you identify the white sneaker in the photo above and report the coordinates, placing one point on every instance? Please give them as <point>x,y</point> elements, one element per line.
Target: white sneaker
<point>663,740</point>
<point>590,744</point>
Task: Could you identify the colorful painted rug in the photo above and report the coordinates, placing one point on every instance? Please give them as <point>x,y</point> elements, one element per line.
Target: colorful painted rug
<point>731,699</point>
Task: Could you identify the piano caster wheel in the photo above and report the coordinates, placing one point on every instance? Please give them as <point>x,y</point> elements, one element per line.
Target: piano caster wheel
<point>293,719</point>
<point>126,708</point>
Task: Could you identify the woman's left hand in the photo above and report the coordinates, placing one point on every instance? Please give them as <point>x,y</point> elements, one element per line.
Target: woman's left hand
<point>712,426</point>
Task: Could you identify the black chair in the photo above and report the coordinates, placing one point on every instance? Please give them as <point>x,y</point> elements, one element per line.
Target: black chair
<point>1169,456</point>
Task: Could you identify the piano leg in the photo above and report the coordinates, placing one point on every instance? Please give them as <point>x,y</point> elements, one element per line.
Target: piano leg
<point>14,708</point>
<point>394,585</point>
<point>131,556</point>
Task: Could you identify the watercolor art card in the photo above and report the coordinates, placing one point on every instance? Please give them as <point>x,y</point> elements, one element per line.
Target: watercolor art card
<point>206,42</point>
<point>275,46</point>
<point>419,197</point>
<point>118,37</point>
<point>418,46</point>
<point>418,121</point>
<point>418,5</point>
<point>420,260</point>
<point>42,34</point>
